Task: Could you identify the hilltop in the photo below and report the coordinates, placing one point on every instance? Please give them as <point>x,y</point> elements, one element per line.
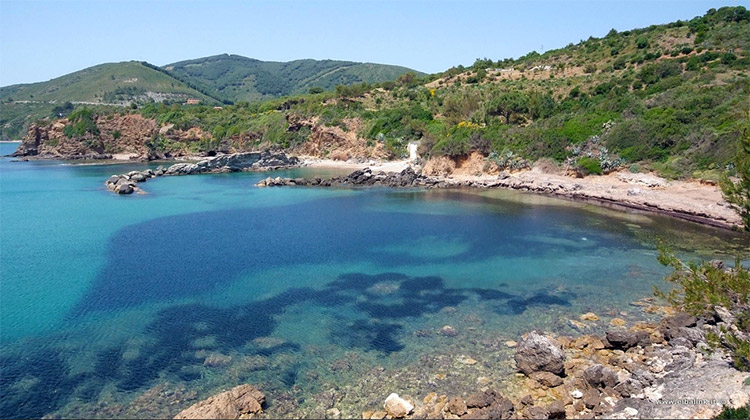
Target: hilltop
<point>238,78</point>
<point>215,80</point>
<point>668,97</point>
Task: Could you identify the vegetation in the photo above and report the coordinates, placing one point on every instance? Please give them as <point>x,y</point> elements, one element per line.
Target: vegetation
<point>735,413</point>
<point>237,78</point>
<point>81,123</point>
<point>667,98</point>
<point>702,287</point>
<point>213,81</point>
<point>738,193</point>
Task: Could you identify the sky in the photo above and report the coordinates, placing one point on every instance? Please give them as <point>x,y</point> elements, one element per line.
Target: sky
<point>43,39</point>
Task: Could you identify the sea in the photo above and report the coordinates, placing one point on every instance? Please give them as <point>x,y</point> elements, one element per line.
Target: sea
<point>141,305</point>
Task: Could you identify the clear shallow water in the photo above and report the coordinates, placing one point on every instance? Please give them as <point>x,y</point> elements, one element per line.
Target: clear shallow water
<point>121,306</point>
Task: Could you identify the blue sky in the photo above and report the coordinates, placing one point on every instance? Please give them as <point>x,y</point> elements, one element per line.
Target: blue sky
<point>40,40</point>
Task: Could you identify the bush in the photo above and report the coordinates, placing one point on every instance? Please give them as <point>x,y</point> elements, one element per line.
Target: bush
<point>81,122</point>
<point>590,166</point>
<point>735,413</point>
<point>702,287</point>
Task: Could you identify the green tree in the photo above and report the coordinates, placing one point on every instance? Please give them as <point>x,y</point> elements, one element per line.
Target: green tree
<point>507,104</point>
<point>738,193</point>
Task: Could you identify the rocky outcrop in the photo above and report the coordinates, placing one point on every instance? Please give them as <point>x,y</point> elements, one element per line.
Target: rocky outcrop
<point>236,162</point>
<point>241,401</point>
<point>127,134</point>
<point>538,353</point>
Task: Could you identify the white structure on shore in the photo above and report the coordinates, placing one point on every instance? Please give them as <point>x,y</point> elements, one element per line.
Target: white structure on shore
<point>413,146</point>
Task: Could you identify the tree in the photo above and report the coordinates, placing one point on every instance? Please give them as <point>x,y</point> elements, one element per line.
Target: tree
<point>738,193</point>
<point>507,104</point>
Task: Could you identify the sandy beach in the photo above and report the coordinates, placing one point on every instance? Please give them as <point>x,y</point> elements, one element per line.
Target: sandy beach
<point>691,200</point>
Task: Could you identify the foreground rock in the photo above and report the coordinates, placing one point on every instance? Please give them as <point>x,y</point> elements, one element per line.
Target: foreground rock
<point>236,162</point>
<point>243,400</point>
<point>397,407</point>
<point>538,353</point>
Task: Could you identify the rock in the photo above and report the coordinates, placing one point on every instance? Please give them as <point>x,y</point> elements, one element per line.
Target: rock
<point>723,315</point>
<point>591,398</point>
<point>232,404</point>
<point>183,169</point>
<point>138,177</point>
<point>397,407</point>
<point>456,406</point>
<point>113,179</point>
<point>466,360</point>
<point>536,412</point>
<point>448,331</point>
<point>539,353</point>
<point>600,376</point>
<point>333,413</point>
<point>481,399</point>
<point>511,344</point>
<point>577,394</point>
<point>624,340</point>
<point>670,325</point>
<point>556,410</point>
<point>628,388</point>
<point>589,316</point>
<point>550,380</point>
<point>124,189</point>
<point>618,322</point>
<point>693,335</point>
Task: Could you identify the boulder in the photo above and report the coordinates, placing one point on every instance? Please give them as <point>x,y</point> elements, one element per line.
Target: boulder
<point>397,407</point>
<point>624,340</point>
<point>183,169</point>
<point>456,406</point>
<point>238,401</point>
<point>550,380</point>
<point>600,376</point>
<point>539,353</point>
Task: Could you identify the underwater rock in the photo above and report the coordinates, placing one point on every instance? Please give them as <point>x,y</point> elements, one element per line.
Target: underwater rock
<point>238,401</point>
<point>397,407</point>
<point>448,331</point>
<point>589,316</point>
<point>539,353</point>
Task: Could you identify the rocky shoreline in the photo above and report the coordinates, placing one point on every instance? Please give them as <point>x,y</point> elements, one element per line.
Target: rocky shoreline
<point>651,370</point>
<point>236,162</point>
<point>639,191</point>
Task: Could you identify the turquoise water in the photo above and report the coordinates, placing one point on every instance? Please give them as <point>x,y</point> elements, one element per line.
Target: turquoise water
<point>115,306</point>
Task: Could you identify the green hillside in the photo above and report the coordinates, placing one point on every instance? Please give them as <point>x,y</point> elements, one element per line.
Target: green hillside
<point>238,78</point>
<point>668,97</point>
<point>112,83</point>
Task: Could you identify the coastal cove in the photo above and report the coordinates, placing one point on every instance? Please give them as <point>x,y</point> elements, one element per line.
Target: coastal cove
<point>145,304</point>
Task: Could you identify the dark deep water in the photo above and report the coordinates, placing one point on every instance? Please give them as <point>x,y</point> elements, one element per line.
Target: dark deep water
<point>208,282</point>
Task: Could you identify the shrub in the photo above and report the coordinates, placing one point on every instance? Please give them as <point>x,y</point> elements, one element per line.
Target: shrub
<point>738,193</point>
<point>590,165</point>
<point>81,122</point>
<point>702,287</point>
<point>641,42</point>
<point>734,413</point>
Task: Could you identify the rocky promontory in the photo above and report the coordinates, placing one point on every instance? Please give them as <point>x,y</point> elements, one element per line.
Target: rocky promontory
<point>235,162</point>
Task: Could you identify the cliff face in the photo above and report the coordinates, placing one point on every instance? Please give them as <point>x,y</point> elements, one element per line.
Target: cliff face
<point>126,134</point>
<point>132,136</point>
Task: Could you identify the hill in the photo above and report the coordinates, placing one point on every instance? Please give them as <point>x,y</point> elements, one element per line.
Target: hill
<point>670,98</point>
<point>238,78</point>
<point>211,80</point>
<point>116,84</point>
